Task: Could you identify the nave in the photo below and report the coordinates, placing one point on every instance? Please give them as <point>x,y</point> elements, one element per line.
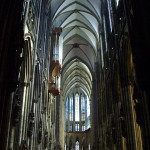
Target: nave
<point>74,75</point>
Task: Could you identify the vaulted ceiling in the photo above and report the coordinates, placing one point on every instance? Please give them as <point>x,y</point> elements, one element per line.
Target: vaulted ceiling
<point>80,21</point>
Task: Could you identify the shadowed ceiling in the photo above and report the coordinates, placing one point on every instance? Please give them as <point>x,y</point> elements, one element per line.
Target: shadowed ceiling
<point>80,22</point>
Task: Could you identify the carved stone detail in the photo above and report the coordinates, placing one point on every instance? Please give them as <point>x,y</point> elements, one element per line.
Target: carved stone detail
<point>16,110</point>
<point>31,124</point>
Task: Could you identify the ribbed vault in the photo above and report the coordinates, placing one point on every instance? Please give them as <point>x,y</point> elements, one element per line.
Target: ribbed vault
<point>80,22</point>
<point>76,74</point>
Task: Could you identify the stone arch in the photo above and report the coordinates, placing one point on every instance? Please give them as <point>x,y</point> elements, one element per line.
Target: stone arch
<point>28,61</point>
<point>37,83</point>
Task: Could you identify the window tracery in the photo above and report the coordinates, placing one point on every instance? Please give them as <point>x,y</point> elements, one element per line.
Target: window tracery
<point>82,108</point>
<point>77,112</point>
<point>71,109</point>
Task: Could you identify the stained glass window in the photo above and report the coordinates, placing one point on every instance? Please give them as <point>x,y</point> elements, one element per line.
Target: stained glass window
<point>88,107</point>
<point>88,114</point>
<point>67,109</point>
<point>117,2</point>
<point>76,127</point>
<point>82,108</point>
<point>83,127</point>
<point>77,105</point>
<point>109,11</point>
<point>77,118</point>
<point>77,145</point>
<point>71,109</point>
<point>70,127</point>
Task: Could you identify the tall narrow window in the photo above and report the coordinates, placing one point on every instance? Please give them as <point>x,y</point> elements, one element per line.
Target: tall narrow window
<point>82,108</point>
<point>70,127</point>
<point>67,109</point>
<point>71,108</point>
<point>117,2</point>
<point>77,145</point>
<point>105,34</point>
<point>88,113</point>
<point>76,127</point>
<point>109,12</point>
<point>88,107</point>
<point>77,107</point>
<point>83,127</point>
<point>60,48</point>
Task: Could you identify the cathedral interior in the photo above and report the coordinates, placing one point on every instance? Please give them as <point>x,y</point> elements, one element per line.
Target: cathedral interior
<point>74,75</point>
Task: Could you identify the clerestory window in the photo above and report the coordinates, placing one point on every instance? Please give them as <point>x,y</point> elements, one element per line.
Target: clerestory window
<point>77,112</point>
<point>77,117</point>
<point>71,109</point>
<point>117,2</point>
